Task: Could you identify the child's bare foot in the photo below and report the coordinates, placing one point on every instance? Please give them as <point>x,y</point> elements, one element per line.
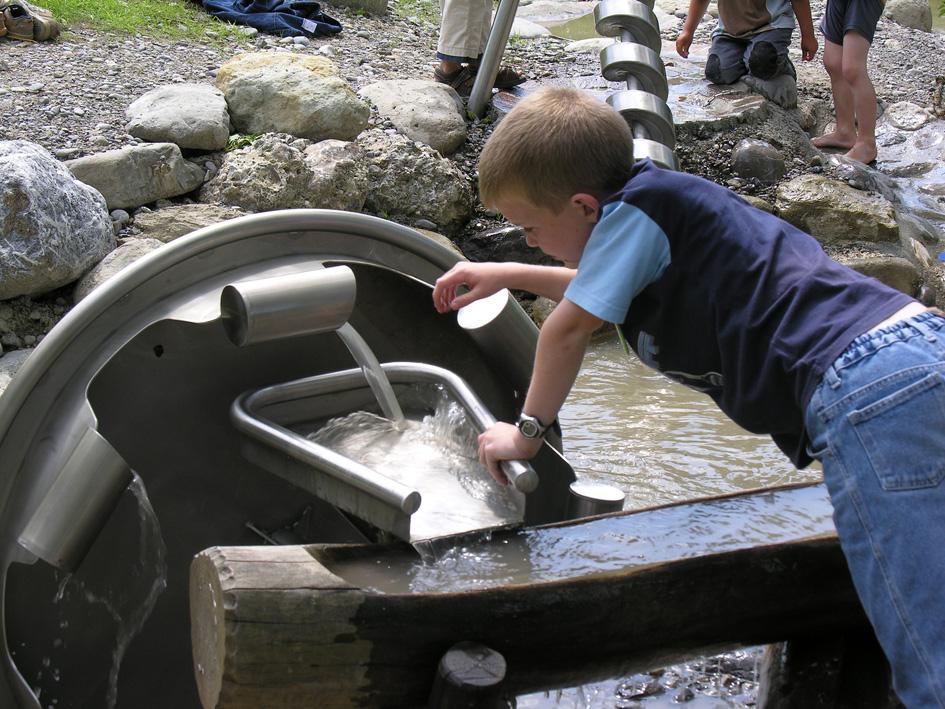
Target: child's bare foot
<point>835,139</point>
<point>863,151</point>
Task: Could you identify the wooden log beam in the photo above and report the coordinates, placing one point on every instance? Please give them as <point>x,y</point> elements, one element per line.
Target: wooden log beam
<point>274,627</point>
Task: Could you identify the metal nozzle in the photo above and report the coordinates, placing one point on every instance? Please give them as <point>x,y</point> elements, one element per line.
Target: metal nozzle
<point>71,515</point>
<point>588,499</point>
<point>303,303</point>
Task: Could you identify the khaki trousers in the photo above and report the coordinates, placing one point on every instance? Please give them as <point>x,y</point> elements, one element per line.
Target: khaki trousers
<point>464,28</point>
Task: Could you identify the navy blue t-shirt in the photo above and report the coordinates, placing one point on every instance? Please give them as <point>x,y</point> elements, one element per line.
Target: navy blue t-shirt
<point>725,298</point>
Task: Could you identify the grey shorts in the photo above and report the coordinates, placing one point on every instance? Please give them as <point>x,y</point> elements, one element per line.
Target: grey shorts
<point>842,16</point>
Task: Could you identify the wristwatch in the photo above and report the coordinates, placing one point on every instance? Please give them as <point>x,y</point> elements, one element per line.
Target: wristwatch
<point>530,427</point>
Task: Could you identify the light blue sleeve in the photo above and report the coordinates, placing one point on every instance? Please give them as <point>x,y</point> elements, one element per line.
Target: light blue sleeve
<point>625,253</point>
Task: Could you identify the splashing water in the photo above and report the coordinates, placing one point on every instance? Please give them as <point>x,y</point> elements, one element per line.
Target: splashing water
<point>129,614</point>
<point>151,543</point>
<point>437,456</point>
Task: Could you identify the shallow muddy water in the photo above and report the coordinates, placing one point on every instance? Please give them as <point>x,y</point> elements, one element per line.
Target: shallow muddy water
<point>628,426</point>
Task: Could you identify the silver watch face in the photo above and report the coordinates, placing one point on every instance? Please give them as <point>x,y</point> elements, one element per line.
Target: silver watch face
<point>529,427</point>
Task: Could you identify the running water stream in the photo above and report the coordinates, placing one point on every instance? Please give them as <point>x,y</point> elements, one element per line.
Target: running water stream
<point>435,455</point>
<point>373,373</point>
<point>128,608</point>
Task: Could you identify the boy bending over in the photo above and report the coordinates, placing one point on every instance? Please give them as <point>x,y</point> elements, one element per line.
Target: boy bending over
<point>736,303</point>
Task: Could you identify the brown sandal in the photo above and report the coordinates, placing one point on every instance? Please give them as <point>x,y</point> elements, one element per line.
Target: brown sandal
<point>461,79</point>
<point>507,78</point>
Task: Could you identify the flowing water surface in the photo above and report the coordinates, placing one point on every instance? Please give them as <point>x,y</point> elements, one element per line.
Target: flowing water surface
<point>629,426</point>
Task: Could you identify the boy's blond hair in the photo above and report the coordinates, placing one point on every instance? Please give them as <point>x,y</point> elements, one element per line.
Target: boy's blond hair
<point>556,143</point>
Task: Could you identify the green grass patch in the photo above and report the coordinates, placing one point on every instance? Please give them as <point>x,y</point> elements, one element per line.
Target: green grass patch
<point>238,140</point>
<point>426,10</point>
<point>171,19</point>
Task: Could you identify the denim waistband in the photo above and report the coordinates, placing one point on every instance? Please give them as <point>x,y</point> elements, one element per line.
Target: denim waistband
<point>929,324</point>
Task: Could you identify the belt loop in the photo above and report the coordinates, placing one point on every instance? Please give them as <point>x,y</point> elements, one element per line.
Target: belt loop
<point>832,377</point>
<point>921,323</point>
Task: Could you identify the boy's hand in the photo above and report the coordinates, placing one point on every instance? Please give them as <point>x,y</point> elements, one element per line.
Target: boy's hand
<point>503,441</point>
<point>482,279</point>
<point>683,42</point>
<point>809,47</point>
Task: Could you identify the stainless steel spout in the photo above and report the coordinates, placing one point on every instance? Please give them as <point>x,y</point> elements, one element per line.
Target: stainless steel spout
<point>304,303</point>
<point>71,515</point>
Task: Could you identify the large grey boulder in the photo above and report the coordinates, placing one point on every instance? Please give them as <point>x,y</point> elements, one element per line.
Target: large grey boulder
<point>281,92</point>
<point>905,115</point>
<point>123,256</point>
<point>281,172</point>
<point>52,227</point>
<point>916,14</point>
<point>427,111</point>
<point>138,174</point>
<point>339,177</point>
<point>192,116</point>
<point>412,181</point>
<point>833,211</point>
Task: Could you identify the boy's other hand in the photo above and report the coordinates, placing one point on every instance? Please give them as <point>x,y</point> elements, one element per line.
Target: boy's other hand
<point>809,48</point>
<point>503,441</point>
<point>683,42</point>
<point>482,280</point>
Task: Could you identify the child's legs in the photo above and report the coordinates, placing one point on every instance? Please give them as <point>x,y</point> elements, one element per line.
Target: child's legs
<point>767,54</point>
<point>877,423</point>
<point>725,64</point>
<point>844,134</point>
<point>855,49</point>
<point>464,27</point>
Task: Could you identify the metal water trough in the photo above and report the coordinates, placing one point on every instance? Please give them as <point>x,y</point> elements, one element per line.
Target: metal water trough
<point>140,376</point>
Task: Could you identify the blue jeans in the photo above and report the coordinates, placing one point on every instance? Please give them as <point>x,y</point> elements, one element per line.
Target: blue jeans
<point>877,424</point>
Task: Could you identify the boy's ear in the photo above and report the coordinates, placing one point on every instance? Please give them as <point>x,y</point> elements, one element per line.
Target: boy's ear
<point>588,203</point>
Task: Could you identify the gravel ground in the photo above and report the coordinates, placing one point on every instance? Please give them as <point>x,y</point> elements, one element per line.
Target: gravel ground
<point>70,97</point>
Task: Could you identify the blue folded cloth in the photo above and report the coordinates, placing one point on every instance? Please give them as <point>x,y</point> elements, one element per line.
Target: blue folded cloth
<point>285,18</point>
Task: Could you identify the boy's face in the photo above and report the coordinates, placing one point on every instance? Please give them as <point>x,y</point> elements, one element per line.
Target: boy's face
<point>561,235</point>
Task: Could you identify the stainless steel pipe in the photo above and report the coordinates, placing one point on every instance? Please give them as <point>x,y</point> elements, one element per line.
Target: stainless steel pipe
<point>71,515</point>
<point>589,498</point>
<point>302,303</point>
<point>491,57</point>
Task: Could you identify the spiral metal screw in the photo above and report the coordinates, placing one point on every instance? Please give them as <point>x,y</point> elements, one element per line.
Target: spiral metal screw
<point>635,59</point>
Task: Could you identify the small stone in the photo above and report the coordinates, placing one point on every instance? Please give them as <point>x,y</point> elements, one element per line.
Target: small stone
<point>683,695</point>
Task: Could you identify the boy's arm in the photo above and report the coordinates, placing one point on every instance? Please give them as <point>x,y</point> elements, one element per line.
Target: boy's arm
<point>693,16</point>
<point>806,26</point>
<point>561,344</point>
<point>484,279</point>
